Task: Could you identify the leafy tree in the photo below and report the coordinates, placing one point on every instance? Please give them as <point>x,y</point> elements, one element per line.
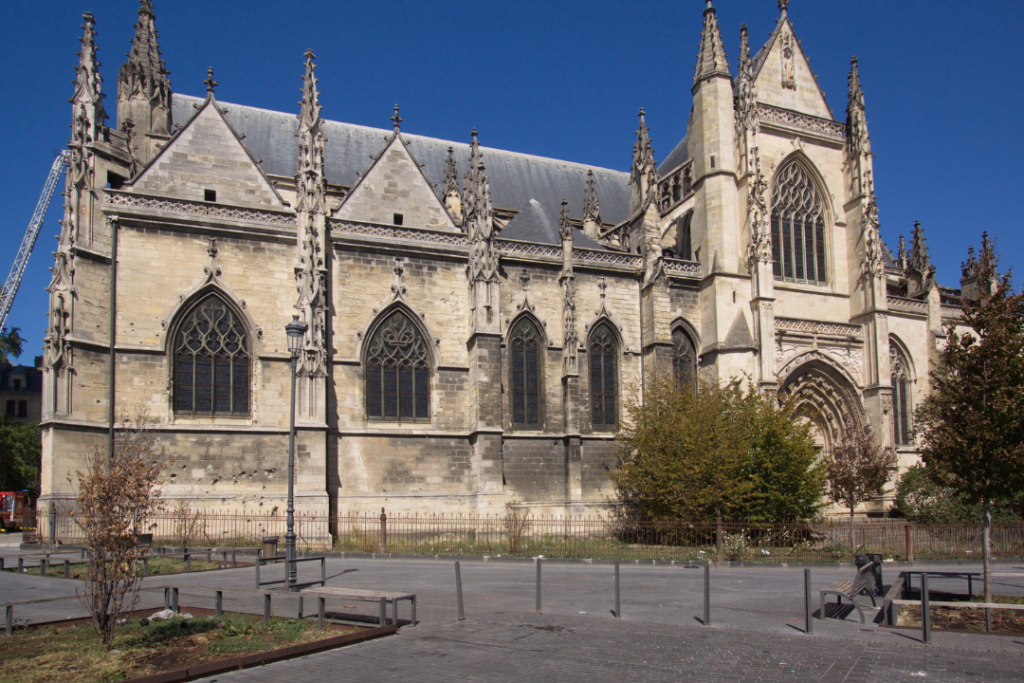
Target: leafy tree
<point>10,343</point>
<point>857,469</point>
<point>972,422</point>
<point>920,498</point>
<point>720,453</point>
<point>115,496</point>
<point>20,455</point>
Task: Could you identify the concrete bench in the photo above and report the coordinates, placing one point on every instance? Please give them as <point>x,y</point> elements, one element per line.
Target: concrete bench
<point>860,585</point>
<point>382,598</point>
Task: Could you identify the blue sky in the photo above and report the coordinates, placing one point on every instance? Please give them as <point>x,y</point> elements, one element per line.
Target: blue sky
<point>943,83</point>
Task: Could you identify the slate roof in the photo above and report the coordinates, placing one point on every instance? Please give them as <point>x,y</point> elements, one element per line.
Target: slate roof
<point>535,224</point>
<point>515,179</point>
<point>676,158</point>
<point>33,379</point>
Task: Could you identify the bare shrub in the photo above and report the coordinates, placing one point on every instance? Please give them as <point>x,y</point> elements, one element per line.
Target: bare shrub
<point>188,525</point>
<point>116,494</point>
<point>516,522</point>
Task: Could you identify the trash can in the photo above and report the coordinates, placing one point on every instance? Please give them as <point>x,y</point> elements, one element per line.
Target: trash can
<point>269,547</point>
<point>862,559</point>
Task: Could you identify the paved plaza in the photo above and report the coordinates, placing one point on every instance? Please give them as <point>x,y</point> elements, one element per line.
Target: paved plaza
<point>756,632</point>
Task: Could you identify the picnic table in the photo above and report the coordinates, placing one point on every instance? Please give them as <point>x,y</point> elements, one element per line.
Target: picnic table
<point>909,574</point>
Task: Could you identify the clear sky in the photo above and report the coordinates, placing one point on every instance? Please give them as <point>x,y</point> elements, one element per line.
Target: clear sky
<point>943,82</point>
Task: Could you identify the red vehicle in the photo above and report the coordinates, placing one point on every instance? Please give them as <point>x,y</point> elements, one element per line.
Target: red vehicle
<point>15,506</point>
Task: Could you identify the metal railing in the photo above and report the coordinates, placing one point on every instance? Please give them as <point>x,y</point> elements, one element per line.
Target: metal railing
<point>524,534</point>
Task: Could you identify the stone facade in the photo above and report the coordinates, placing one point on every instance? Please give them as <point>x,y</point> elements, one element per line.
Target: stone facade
<point>411,389</point>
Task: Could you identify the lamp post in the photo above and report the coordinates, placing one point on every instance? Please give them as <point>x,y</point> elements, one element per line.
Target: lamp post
<point>296,331</point>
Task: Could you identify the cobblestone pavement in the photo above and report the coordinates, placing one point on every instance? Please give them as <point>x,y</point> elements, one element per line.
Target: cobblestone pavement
<point>757,632</point>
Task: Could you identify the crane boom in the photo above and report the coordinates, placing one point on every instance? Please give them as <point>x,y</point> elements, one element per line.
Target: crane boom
<point>31,234</point>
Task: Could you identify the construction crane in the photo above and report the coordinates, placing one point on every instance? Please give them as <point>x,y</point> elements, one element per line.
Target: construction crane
<point>31,234</point>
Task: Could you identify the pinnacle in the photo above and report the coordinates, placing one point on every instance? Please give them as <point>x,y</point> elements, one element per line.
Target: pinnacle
<point>711,60</point>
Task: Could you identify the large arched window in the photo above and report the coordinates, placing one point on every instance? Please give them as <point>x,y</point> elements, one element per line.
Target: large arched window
<point>603,378</point>
<point>798,228</point>
<point>397,371</point>
<point>211,362</point>
<point>901,409</point>
<point>524,366</point>
<point>684,360</point>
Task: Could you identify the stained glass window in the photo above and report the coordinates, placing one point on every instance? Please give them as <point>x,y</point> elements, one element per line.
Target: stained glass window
<point>798,228</point>
<point>211,362</point>
<point>684,360</point>
<point>900,396</point>
<point>603,378</point>
<point>525,363</point>
<point>397,371</point>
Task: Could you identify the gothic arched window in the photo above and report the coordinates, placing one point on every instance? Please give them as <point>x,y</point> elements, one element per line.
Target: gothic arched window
<point>798,228</point>
<point>525,363</point>
<point>603,378</point>
<point>901,409</point>
<point>211,362</point>
<point>684,360</point>
<point>397,371</point>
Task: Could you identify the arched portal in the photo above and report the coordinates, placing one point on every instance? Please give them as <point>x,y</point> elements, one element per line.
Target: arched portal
<point>825,395</point>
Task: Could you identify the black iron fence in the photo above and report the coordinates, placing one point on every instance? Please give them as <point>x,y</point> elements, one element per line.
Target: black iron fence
<point>522,534</point>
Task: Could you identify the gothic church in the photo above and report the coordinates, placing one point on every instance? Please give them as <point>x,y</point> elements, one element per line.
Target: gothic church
<point>476,319</point>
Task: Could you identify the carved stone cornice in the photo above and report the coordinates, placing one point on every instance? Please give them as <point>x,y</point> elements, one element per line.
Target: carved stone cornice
<point>817,327</point>
<point>791,120</point>
<point>149,204</point>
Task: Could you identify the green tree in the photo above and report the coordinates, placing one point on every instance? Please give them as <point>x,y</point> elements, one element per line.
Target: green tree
<point>920,498</point>
<point>972,422</point>
<point>10,343</point>
<point>720,453</point>
<point>857,470</point>
<point>20,455</point>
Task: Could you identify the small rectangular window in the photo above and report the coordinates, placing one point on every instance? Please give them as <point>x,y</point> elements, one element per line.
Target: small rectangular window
<point>114,181</point>
<point>210,195</point>
<point>10,409</point>
<point>398,218</point>
<point>22,408</point>
<point>17,384</point>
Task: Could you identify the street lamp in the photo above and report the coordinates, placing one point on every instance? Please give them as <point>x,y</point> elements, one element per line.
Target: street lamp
<point>296,331</point>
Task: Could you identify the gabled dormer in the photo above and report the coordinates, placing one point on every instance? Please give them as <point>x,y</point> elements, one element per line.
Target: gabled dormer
<point>206,161</point>
<point>394,191</point>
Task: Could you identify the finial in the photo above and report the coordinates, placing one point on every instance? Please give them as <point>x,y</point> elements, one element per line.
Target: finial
<point>209,82</point>
<point>783,5</point>
<point>309,54</point>
<point>396,119</point>
<point>709,5</point>
<point>641,113</point>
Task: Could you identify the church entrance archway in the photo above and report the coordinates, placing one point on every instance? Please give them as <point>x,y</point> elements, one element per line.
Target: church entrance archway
<point>826,396</point>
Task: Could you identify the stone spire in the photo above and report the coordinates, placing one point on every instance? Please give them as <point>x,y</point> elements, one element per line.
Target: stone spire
<point>644,175</point>
<point>88,97</point>
<point>858,144</point>
<point>452,194</point>
<point>482,269</point>
<point>746,92</point>
<point>760,248</point>
<point>310,210</point>
<point>143,90</point>
<point>971,286</point>
<point>591,210</point>
<point>711,60</point>
<point>920,272</point>
<point>903,258</point>
<point>568,279</point>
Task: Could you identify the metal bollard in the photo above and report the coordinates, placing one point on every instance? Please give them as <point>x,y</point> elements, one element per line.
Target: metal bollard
<point>174,600</point>
<point>618,602</point>
<point>188,562</point>
<point>926,613</point>
<point>42,567</point>
<point>145,566</point>
<point>10,620</point>
<point>321,609</point>
<point>458,591</point>
<point>1,564</point>
<point>808,624</point>
<point>167,598</point>
<point>234,558</point>
<point>67,569</point>
<point>300,608</point>
<point>208,556</point>
<point>224,563</point>
<point>383,611</point>
<point>707,594</point>
<point>538,608</point>
<point>21,564</point>
<point>219,603</point>
<point>266,608</point>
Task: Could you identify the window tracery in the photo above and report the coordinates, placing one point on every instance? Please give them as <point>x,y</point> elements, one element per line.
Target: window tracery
<point>211,362</point>
<point>684,360</point>
<point>525,362</point>
<point>603,378</point>
<point>397,371</point>
<point>798,228</point>
<point>900,373</point>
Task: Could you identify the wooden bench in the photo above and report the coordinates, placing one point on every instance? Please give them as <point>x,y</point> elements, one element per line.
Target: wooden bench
<point>850,590</point>
<point>382,598</point>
